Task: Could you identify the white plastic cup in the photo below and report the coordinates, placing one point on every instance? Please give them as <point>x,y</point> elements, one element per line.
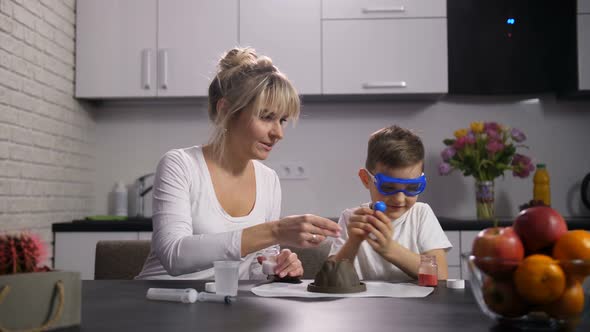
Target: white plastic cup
<point>226,277</point>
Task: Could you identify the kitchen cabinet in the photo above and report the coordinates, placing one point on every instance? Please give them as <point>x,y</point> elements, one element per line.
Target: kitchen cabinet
<point>453,256</point>
<point>467,238</point>
<point>151,48</point>
<point>571,38</point>
<point>288,32</point>
<point>376,47</point>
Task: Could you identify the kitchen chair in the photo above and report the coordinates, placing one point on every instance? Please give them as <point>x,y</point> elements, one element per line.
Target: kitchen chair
<point>120,259</point>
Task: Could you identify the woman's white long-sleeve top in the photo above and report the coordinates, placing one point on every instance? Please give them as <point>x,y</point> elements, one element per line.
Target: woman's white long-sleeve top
<point>190,228</point>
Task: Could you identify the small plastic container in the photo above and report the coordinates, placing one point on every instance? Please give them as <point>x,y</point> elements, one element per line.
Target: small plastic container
<point>269,262</point>
<point>428,271</point>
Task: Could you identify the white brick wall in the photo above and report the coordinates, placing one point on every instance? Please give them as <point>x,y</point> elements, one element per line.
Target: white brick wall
<point>46,136</point>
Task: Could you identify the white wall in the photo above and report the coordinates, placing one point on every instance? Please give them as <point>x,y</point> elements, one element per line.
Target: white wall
<point>331,139</point>
<point>46,136</point>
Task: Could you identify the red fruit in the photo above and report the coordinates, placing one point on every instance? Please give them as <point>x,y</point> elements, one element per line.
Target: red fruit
<point>497,251</point>
<point>501,297</point>
<point>539,227</point>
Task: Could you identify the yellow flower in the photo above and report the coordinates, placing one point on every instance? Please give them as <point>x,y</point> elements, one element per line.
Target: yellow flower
<point>461,132</point>
<point>477,127</point>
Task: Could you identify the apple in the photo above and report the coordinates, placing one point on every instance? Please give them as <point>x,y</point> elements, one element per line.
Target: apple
<point>501,297</point>
<point>497,251</point>
<point>539,227</point>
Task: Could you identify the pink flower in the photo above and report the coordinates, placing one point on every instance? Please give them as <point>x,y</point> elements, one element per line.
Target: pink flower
<point>494,146</point>
<point>493,134</point>
<point>470,138</point>
<point>459,143</point>
<point>448,153</point>
<point>492,129</point>
<point>522,166</point>
<point>517,135</point>
<point>444,168</point>
<point>494,126</point>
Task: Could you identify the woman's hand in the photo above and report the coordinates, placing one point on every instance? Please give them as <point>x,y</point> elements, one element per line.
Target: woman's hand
<point>288,264</point>
<point>305,230</point>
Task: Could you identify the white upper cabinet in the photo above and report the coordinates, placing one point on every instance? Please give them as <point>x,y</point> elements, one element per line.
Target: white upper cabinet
<point>341,9</point>
<point>192,36</point>
<point>583,6</point>
<point>384,47</point>
<point>115,48</point>
<point>289,32</point>
<point>169,48</point>
<point>149,48</point>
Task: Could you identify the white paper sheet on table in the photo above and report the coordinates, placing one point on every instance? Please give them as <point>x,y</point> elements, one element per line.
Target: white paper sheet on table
<point>374,289</point>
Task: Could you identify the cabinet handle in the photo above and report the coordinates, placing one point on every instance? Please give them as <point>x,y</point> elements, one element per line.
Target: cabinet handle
<point>163,69</point>
<point>146,74</point>
<point>398,9</point>
<point>381,85</point>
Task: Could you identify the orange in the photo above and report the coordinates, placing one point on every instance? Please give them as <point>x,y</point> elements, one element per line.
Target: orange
<point>574,245</point>
<point>570,304</point>
<point>539,279</point>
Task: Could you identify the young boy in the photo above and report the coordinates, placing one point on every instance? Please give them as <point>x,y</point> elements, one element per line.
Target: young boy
<point>387,246</point>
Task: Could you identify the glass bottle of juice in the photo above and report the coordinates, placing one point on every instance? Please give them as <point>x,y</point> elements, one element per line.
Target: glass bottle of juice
<point>541,185</point>
<point>428,271</point>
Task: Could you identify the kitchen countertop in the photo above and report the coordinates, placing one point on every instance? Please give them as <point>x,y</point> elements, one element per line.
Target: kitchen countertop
<point>145,224</point>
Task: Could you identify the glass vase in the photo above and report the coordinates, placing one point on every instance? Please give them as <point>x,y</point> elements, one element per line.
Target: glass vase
<point>484,199</point>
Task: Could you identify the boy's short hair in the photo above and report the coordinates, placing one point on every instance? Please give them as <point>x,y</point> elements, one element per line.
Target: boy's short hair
<point>394,147</point>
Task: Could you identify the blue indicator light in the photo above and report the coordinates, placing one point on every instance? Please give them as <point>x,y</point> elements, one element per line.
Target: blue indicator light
<point>510,21</point>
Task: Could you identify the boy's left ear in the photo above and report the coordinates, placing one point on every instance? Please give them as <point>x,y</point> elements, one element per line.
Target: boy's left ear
<point>364,177</point>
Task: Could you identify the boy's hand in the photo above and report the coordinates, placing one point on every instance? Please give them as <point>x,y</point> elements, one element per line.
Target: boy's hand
<point>358,223</point>
<point>382,230</point>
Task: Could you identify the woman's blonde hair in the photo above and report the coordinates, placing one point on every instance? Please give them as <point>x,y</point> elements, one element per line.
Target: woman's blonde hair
<point>245,79</point>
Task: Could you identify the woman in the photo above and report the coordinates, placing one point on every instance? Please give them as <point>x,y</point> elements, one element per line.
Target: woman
<point>217,201</point>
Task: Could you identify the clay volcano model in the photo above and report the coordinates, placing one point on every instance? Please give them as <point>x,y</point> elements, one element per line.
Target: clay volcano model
<point>337,277</point>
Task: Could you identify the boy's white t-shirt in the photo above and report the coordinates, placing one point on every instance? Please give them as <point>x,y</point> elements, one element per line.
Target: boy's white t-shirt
<point>191,229</point>
<point>417,229</point>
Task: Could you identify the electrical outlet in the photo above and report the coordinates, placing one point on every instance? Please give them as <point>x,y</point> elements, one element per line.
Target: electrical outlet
<point>294,170</point>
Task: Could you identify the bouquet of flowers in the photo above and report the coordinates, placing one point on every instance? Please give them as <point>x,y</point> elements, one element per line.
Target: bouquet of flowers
<point>485,151</point>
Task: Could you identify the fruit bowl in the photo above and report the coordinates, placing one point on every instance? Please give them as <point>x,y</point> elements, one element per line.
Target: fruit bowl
<point>536,293</point>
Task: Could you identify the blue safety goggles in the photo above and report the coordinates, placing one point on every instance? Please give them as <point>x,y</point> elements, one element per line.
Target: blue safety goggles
<point>390,186</point>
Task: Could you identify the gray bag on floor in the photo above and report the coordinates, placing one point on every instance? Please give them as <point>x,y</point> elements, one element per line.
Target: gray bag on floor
<point>40,300</point>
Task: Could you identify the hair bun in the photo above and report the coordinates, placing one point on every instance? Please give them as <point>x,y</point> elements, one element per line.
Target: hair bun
<point>237,57</point>
<point>264,64</point>
<point>240,60</point>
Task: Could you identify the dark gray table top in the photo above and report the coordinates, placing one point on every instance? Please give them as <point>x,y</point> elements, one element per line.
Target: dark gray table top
<point>121,306</point>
